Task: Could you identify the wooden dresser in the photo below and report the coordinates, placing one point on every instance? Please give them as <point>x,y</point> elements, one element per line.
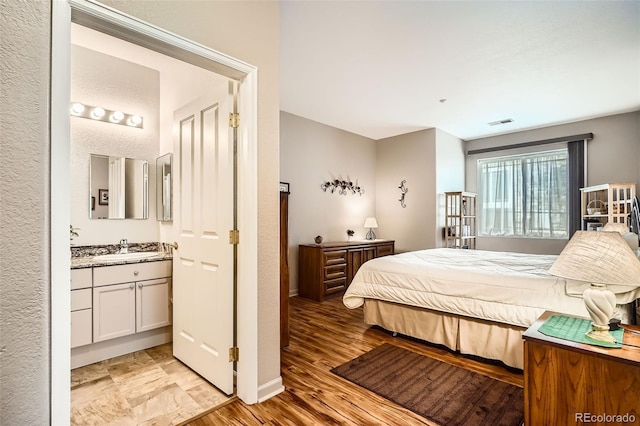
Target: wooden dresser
<point>565,382</point>
<point>327,269</point>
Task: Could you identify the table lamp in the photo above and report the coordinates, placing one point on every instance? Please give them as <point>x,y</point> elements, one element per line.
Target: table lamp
<point>370,223</point>
<point>600,258</point>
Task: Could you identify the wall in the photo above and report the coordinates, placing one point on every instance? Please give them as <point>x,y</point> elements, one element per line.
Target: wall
<point>410,157</point>
<point>432,163</point>
<point>24,213</point>
<point>612,156</point>
<point>249,31</point>
<point>180,83</point>
<point>310,154</point>
<point>450,175</point>
<point>102,80</point>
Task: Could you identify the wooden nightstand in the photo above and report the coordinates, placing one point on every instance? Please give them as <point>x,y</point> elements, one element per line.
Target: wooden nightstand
<point>565,382</point>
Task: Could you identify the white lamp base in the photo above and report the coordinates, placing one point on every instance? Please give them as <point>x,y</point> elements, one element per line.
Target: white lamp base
<point>600,333</point>
<point>600,304</point>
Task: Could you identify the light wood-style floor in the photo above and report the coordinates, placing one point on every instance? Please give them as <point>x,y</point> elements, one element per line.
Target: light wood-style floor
<point>148,387</point>
<point>325,335</point>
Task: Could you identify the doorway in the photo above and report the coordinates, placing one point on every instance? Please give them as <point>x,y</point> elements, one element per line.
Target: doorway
<point>105,20</point>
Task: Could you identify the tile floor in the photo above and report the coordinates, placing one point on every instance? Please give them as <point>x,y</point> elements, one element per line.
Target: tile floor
<point>148,387</point>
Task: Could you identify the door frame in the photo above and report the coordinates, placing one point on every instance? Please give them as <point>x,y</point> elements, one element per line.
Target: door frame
<point>113,22</point>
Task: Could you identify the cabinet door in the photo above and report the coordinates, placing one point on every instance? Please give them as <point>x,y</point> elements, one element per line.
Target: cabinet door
<point>114,311</point>
<point>152,304</point>
<point>80,328</point>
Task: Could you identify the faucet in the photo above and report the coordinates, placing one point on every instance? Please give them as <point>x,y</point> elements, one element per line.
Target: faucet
<point>124,246</point>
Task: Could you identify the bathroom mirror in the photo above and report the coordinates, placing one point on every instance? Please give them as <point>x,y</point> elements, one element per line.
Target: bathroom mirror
<point>164,192</point>
<point>118,188</point>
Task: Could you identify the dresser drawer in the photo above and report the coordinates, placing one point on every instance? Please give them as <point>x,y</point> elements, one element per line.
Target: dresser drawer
<point>335,271</point>
<point>333,286</point>
<point>81,299</point>
<point>80,278</point>
<point>106,275</point>
<point>335,257</point>
<point>384,250</point>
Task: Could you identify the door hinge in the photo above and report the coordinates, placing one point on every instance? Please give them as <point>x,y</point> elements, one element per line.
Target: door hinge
<point>234,236</point>
<point>234,354</point>
<point>234,120</point>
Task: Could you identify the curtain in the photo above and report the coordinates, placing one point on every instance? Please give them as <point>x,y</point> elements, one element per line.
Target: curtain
<point>524,195</point>
<point>576,150</point>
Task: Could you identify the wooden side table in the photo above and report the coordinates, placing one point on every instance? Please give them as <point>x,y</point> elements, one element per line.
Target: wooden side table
<point>568,383</point>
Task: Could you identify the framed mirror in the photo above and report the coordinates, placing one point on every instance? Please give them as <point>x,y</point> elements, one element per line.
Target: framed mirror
<point>118,188</point>
<point>164,192</point>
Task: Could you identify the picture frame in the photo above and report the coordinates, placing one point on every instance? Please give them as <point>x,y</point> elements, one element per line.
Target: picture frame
<point>103,197</point>
<point>284,187</point>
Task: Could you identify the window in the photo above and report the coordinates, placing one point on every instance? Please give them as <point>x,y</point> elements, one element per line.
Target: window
<point>524,195</point>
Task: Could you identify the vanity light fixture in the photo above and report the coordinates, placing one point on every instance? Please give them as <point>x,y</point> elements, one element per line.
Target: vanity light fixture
<point>100,114</point>
<point>116,116</point>
<point>97,113</point>
<point>77,109</point>
<point>134,121</point>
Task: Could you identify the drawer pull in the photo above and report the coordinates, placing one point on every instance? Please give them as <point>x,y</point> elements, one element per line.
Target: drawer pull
<point>131,286</point>
<point>136,273</point>
<point>140,285</point>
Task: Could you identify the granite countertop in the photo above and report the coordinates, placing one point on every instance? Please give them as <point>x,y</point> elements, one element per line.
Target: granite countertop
<point>90,262</point>
<point>83,256</point>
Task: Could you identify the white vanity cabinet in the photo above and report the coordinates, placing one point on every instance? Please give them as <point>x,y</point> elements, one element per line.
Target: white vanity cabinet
<point>130,299</point>
<point>81,309</point>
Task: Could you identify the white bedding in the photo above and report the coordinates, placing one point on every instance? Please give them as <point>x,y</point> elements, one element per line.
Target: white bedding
<point>510,288</point>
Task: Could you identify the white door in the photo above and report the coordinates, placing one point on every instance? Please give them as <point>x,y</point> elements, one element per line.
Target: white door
<point>203,264</point>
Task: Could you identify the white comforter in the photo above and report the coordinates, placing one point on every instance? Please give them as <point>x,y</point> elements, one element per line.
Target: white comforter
<point>510,288</point>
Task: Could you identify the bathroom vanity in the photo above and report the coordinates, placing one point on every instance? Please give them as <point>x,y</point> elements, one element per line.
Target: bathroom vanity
<point>119,306</point>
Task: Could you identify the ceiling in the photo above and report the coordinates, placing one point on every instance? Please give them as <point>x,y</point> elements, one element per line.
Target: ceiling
<point>383,68</point>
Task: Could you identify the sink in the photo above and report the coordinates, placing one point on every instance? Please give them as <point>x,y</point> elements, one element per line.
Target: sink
<point>125,256</point>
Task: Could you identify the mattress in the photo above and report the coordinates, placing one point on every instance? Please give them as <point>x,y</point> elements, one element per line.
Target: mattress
<point>509,288</point>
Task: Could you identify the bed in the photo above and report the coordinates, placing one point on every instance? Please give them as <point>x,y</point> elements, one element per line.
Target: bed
<point>473,301</point>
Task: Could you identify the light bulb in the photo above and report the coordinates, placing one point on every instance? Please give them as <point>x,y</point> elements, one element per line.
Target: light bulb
<point>97,113</point>
<point>77,109</point>
<point>134,120</point>
<point>116,117</point>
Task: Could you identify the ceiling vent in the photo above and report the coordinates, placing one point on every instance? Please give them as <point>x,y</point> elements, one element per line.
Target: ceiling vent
<point>499,122</point>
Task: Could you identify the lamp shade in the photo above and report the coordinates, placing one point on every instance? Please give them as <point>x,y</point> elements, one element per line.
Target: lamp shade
<point>370,222</point>
<point>598,258</point>
<point>620,228</point>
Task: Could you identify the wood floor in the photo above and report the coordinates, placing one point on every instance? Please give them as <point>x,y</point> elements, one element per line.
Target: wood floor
<point>325,335</point>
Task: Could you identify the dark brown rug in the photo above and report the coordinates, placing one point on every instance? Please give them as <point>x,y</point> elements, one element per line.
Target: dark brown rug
<point>440,392</point>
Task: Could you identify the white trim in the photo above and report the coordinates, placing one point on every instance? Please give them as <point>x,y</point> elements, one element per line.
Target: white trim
<point>60,172</point>
<point>247,313</point>
<point>270,389</point>
<point>113,22</point>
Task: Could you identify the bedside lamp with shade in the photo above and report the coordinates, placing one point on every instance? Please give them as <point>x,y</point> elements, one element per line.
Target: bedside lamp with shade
<point>370,223</point>
<point>600,258</point>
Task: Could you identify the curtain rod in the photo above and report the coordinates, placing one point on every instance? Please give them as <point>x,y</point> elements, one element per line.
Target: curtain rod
<point>582,137</point>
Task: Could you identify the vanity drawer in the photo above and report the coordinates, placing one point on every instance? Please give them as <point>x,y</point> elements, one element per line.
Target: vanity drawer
<point>81,328</point>
<point>80,278</point>
<point>81,299</point>
<point>107,275</point>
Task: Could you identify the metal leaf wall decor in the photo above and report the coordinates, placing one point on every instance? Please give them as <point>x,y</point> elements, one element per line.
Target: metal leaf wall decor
<point>342,186</point>
<point>403,190</point>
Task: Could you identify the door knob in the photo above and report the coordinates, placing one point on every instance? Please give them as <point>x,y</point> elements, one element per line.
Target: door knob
<point>174,245</point>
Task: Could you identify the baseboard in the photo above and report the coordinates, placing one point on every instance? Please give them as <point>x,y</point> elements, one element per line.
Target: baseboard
<point>89,354</point>
<point>270,389</point>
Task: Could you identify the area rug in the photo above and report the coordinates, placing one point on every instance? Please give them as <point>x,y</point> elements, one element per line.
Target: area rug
<point>440,392</point>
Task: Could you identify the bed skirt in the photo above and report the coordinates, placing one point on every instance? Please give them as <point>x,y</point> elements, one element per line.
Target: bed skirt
<point>471,336</point>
